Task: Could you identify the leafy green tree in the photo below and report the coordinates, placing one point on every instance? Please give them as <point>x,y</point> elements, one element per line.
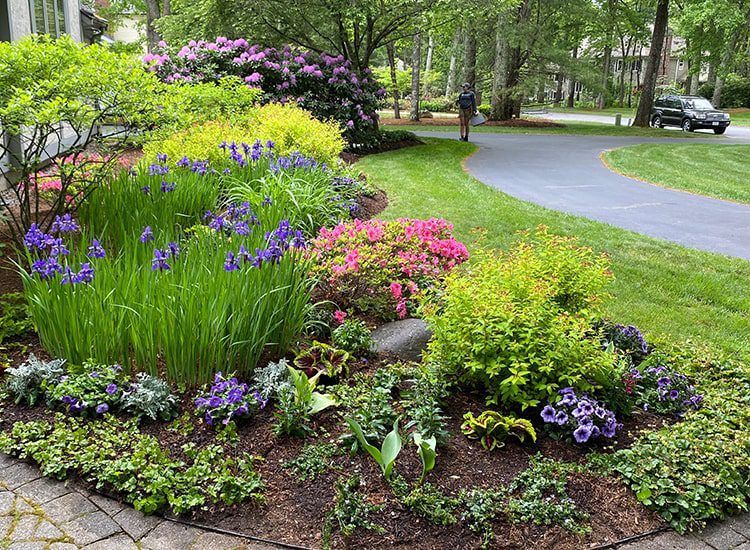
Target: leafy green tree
<point>59,98</point>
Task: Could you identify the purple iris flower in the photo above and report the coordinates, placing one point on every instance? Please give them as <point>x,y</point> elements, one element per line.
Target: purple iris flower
<point>231,263</point>
<point>96,250</point>
<point>159,262</point>
<point>64,224</point>
<point>147,234</point>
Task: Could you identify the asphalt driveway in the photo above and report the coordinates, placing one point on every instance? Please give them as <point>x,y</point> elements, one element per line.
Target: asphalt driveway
<point>565,173</point>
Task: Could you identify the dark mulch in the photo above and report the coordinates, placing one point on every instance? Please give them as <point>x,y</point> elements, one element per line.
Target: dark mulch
<point>369,207</point>
<point>295,510</point>
<point>513,123</point>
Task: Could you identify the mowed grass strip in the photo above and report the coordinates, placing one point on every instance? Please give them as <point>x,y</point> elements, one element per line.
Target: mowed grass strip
<point>665,289</point>
<point>567,128</point>
<point>714,170</point>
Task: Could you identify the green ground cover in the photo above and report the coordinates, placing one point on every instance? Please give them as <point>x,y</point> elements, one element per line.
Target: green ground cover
<point>706,169</point>
<point>662,287</point>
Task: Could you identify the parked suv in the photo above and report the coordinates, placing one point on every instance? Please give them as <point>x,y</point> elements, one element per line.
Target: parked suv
<point>688,112</point>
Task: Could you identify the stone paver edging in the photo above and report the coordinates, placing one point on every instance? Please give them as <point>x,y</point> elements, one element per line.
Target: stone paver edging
<point>38,513</point>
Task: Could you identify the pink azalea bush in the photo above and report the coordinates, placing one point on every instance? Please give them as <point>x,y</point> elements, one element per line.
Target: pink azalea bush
<point>73,173</point>
<point>379,267</point>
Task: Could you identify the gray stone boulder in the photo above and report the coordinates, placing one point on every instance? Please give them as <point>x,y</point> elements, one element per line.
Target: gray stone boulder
<point>406,339</point>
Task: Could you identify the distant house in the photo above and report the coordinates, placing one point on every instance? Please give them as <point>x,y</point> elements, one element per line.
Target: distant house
<point>54,17</point>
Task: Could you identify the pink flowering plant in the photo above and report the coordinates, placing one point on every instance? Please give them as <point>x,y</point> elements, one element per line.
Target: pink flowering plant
<point>381,267</point>
<point>323,84</point>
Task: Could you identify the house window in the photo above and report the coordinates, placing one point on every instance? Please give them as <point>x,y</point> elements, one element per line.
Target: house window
<point>48,17</point>
<point>680,65</point>
<point>618,65</point>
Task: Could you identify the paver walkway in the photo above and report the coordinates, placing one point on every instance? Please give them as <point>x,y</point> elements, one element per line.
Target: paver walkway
<point>37,513</point>
<point>565,173</point>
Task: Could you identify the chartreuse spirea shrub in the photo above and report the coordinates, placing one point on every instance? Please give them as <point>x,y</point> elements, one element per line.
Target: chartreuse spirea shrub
<point>381,267</point>
<point>519,323</point>
<point>292,130</point>
<point>697,470</point>
<point>231,289</point>
<point>114,455</point>
<point>323,84</point>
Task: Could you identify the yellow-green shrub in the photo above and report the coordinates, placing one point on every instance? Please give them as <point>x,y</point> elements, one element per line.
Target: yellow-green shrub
<point>519,323</point>
<point>292,129</point>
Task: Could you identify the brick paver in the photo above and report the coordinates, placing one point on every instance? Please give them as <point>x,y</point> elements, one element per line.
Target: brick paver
<point>731,534</point>
<point>44,514</point>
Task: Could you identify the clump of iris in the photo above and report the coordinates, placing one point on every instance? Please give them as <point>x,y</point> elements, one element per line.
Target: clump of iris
<point>47,252</point>
<point>228,399</point>
<point>580,416</point>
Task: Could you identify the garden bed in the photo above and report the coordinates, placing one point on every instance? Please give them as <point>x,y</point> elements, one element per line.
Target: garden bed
<point>295,510</point>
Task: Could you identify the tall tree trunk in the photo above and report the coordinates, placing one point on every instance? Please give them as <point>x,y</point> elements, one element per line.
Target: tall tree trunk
<point>391,50</point>
<point>428,65</point>
<point>572,83</point>
<point>711,73</point>
<point>726,60</point>
<point>695,66</point>
<point>643,114</point>
<point>416,65</point>
<point>499,70</point>
<point>559,90</point>
<point>606,62</point>
<point>153,12</point>
<point>450,85</point>
<point>470,56</point>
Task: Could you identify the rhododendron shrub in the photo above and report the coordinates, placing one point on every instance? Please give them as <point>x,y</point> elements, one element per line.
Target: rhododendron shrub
<point>323,84</point>
<point>380,267</point>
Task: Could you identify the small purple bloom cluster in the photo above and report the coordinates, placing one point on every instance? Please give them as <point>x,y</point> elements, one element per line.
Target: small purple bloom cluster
<point>661,389</point>
<point>49,266</point>
<point>228,399</point>
<point>99,390</point>
<point>586,417</point>
<point>626,339</point>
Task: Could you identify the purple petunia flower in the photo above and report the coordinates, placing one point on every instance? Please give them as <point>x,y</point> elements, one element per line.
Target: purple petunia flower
<point>582,434</point>
<point>548,413</point>
<point>102,408</point>
<point>111,389</point>
<point>561,418</point>
<point>674,394</point>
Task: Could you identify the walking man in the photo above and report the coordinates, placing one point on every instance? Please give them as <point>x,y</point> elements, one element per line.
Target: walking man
<point>467,108</point>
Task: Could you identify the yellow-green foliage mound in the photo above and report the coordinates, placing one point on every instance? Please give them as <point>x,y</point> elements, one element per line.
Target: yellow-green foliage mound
<point>291,128</point>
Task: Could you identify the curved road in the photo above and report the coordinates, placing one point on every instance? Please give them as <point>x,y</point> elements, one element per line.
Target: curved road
<point>565,173</point>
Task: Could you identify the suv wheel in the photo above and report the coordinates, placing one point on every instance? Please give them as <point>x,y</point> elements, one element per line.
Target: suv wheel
<point>719,130</point>
<point>656,122</point>
<point>687,125</point>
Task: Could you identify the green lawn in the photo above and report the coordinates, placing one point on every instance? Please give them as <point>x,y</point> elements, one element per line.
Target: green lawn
<point>624,111</point>
<point>740,117</point>
<point>715,170</point>
<point>575,128</point>
<point>661,287</point>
